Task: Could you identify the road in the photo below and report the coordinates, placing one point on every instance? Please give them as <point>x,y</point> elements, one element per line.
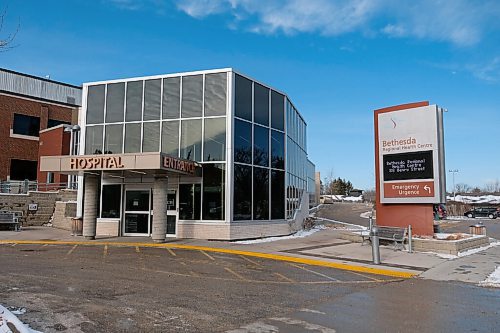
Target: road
<point>101,288</point>
<point>345,212</point>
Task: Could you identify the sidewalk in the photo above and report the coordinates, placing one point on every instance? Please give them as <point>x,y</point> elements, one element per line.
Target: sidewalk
<point>323,248</point>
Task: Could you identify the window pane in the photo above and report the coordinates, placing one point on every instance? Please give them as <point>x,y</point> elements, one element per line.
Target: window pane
<point>192,96</point>
<point>214,148</point>
<point>191,139</point>
<point>133,138</point>
<point>242,192</point>
<point>277,195</point>
<point>277,111</point>
<point>114,102</point>
<point>242,141</point>
<point>215,94</point>
<point>134,101</point>
<point>277,150</point>
<point>23,169</point>
<point>152,99</point>
<point>151,137</point>
<point>243,97</point>
<point>171,97</point>
<point>261,104</point>
<point>93,139</point>
<point>111,199</point>
<point>189,201</point>
<point>261,146</point>
<point>113,139</point>
<point>137,200</point>
<point>260,194</point>
<point>213,191</point>
<point>26,125</point>
<point>95,104</point>
<point>170,138</point>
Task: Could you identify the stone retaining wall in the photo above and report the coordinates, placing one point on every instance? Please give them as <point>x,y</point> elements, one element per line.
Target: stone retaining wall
<point>46,202</point>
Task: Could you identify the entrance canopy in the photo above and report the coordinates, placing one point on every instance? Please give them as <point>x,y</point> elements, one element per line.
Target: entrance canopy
<point>147,163</point>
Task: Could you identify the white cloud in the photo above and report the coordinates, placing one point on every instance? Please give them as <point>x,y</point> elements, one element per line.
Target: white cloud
<point>127,4</point>
<point>489,71</point>
<point>461,22</point>
<point>202,8</point>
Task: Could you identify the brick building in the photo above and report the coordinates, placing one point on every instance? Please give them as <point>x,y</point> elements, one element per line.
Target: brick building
<point>28,105</point>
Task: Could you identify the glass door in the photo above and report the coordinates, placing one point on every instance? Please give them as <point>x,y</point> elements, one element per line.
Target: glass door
<point>137,213</point>
<point>171,213</point>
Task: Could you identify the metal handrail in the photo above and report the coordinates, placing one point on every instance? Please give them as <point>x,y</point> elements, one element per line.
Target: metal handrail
<point>25,186</point>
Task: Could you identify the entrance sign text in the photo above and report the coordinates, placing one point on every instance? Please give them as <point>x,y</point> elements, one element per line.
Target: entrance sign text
<point>173,163</point>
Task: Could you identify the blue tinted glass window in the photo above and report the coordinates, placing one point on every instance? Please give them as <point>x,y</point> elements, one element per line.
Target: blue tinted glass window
<point>242,141</point>
<point>243,97</point>
<point>261,146</point>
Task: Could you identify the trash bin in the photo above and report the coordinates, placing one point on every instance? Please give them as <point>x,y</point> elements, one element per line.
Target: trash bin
<point>77,227</point>
<point>477,229</point>
<point>437,228</point>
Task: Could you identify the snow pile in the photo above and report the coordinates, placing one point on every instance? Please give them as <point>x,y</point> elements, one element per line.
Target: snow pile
<point>470,199</point>
<point>456,236</point>
<point>341,197</point>
<point>298,234</point>
<point>10,323</point>
<point>493,280</point>
<point>354,199</point>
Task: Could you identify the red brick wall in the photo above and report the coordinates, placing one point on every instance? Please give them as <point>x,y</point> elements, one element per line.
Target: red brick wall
<point>53,142</point>
<point>24,149</point>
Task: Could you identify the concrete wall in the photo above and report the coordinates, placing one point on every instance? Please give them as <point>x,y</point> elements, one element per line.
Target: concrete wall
<point>46,204</point>
<point>63,214</point>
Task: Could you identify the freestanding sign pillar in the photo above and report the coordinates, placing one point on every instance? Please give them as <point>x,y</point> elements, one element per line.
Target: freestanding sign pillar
<point>409,165</point>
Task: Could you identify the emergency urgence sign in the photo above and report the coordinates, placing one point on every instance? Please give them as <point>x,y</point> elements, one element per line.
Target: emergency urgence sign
<point>411,155</point>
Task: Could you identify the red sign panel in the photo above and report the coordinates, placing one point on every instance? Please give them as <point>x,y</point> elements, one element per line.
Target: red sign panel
<point>409,189</point>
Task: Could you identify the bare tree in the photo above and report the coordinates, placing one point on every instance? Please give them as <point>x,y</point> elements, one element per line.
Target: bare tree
<point>462,188</point>
<point>492,187</point>
<point>369,195</point>
<point>6,42</point>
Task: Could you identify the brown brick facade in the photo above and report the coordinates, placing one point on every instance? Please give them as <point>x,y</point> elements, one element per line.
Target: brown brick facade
<point>53,142</point>
<point>19,148</point>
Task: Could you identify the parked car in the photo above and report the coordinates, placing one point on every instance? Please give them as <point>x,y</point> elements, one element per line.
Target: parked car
<point>489,212</point>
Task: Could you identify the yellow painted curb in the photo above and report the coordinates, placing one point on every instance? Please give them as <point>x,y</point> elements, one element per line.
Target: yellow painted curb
<point>300,260</point>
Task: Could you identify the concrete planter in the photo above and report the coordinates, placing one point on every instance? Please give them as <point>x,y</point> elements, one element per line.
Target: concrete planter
<point>450,246</point>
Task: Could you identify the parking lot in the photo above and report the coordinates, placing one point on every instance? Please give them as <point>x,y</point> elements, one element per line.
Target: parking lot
<point>114,288</point>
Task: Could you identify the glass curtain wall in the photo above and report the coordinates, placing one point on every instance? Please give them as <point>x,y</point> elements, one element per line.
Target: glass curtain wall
<point>182,116</point>
<point>259,152</point>
<point>296,178</point>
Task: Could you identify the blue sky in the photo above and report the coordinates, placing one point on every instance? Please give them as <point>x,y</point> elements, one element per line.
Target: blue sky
<point>337,60</point>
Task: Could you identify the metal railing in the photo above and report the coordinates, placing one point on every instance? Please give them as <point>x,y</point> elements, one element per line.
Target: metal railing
<point>24,186</point>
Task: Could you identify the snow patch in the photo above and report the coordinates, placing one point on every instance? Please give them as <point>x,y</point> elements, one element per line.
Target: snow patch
<point>470,199</point>
<point>298,234</point>
<point>493,280</point>
<point>8,317</point>
<point>366,215</point>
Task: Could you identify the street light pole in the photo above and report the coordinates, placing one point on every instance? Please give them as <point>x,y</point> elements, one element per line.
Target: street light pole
<point>453,173</point>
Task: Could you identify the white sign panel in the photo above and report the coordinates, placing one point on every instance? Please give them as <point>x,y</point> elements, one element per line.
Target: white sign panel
<point>411,163</point>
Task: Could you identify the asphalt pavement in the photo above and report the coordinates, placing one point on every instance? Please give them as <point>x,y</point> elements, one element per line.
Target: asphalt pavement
<point>320,283</point>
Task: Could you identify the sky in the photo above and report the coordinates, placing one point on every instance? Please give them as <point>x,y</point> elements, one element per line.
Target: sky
<point>338,61</point>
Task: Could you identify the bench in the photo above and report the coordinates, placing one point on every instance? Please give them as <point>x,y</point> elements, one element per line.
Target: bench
<point>394,234</point>
<point>9,219</point>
